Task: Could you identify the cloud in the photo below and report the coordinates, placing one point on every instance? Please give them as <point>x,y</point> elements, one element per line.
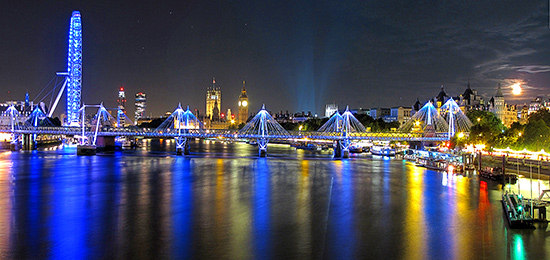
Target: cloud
<point>533,69</point>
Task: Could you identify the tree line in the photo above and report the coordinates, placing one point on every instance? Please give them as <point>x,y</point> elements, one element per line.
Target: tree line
<point>534,135</point>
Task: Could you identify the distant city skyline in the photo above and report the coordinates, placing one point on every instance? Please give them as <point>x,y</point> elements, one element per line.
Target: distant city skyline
<point>296,56</point>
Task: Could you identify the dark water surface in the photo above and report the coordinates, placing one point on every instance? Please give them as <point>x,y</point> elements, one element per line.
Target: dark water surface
<point>225,203</point>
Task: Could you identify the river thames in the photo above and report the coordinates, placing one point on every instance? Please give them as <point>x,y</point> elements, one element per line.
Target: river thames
<point>223,202</point>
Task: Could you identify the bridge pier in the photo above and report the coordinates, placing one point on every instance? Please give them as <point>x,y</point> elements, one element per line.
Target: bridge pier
<point>341,149</point>
<point>345,148</point>
<point>29,142</point>
<point>345,153</point>
<point>105,143</point>
<point>337,149</point>
<point>86,149</point>
<point>182,146</point>
<point>14,146</point>
<point>262,147</point>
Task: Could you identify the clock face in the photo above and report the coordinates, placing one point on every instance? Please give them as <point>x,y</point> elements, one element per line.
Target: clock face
<point>239,103</point>
<point>245,103</point>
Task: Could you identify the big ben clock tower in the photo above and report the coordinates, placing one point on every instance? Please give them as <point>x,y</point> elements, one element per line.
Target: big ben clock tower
<point>243,106</point>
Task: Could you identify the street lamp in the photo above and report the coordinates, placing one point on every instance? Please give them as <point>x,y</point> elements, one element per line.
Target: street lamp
<point>301,126</point>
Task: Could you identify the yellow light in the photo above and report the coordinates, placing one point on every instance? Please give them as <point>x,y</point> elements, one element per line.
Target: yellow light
<point>245,103</point>
<point>4,137</point>
<point>450,168</point>
<point>301,127</point>
<point>516,88</point>
<point>460,135</point>
<point>478,119</point>
<point>232,121</point>
<point>519,134</point>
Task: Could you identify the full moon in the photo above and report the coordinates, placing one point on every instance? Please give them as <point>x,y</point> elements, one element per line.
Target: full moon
<point>516,89</point>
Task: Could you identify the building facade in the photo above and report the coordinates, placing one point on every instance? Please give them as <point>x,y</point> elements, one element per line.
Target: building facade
<point>380,112</point>
<point>243,106</point>
<point>535,105</point>
<point>141,106</point>
<point>121,105</point>
<point>506,113</point>
<point>330,109</point>
<point>470,99</point>
<point>402,114</point>
<point>213,100</point>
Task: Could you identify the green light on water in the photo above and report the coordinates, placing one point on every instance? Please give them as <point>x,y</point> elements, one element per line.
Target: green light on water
<point>518,249</point>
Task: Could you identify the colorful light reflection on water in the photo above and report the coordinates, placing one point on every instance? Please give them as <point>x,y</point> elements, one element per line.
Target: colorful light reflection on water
<point>227,204</point>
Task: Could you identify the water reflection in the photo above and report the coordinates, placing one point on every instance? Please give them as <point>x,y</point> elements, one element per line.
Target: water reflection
<point>5,201</point>
<point>415,219</point>
<point>182,206</point>
<point>261,211</point>
<point>341,218</point>
<point>56,205</point>
<point>303,209</point>
<point>70,212</point>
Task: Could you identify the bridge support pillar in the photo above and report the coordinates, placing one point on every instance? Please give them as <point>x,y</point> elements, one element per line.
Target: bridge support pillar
<point>29,142</point>
<point>14,146</point>
<point>86,150</point>
<point>345,148</point>
<point>106,143</point>
<point>182,146</point>
<point>341,149</point>
<point>337,149</point>
<point>345,153</point>
<point>262,147</point>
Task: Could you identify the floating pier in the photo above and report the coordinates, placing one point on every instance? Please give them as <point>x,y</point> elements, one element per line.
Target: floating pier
<point>516,211</point>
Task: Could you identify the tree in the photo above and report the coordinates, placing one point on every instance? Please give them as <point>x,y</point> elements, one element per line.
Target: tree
<point>541,114</point>
<point>510,137</point>
<point>536,136</point>
<point>486,128</point>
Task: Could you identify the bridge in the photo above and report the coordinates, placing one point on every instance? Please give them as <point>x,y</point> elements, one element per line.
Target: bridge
<point>182,125</point>
<point>426,125</point>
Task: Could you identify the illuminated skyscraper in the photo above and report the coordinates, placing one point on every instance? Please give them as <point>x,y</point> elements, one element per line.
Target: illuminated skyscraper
<point>213,99</point>
<point>121,104</point>
<point>141,106</point>
<point>243,106</point>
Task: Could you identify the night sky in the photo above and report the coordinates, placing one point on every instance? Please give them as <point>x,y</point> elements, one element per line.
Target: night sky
<point>294,55</point>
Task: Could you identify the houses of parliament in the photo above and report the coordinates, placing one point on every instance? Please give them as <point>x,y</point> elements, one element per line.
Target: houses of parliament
<point>215,117</point>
